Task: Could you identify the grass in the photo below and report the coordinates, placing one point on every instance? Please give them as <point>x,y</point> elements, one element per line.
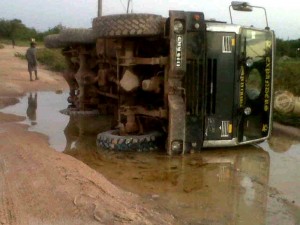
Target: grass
<point>52,59</point>
<point>20,43</point>
<point>19,55</point>
<point>287,77</point>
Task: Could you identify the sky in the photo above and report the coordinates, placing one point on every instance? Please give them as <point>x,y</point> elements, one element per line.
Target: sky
<point>283,16</point>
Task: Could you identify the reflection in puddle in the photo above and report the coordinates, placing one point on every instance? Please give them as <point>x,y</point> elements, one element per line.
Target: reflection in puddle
<point>216,186</point>
<point>31,109</point>
<point>284,167</point>
<point>211,187</point>
<point>81,131</point>
<point>41,111</point>
<point>282,143</point>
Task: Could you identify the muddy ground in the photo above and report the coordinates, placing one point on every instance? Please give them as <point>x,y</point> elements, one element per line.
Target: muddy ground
<point>41,186</point>
<point>38,185</point>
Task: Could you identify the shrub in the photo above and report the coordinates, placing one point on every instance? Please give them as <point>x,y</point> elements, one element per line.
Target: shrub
<point>287,75</point>
<point>1,46</point>
<point>19,55</point>
<point>52,58</point>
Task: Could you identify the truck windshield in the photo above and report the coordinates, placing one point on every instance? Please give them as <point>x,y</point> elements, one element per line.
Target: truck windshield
<point>256,53</point>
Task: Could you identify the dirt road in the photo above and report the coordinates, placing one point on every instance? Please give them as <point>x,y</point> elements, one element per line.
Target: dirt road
<point>41,186</point>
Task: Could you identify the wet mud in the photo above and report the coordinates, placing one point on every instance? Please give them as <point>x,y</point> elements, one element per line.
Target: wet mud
<point>246,185</point>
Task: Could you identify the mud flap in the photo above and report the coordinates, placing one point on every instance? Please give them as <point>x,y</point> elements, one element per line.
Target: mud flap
<point>177,115</point>
<point>194,133</point>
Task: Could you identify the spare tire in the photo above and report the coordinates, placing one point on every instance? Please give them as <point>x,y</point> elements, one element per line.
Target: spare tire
<point>284,102</point>
<point>78,36</point>
<point>54,41</point>
<point>146,142</point>
<point>128,25</point>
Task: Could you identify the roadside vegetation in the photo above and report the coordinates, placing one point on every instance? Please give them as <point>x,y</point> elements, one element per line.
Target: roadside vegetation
<point>287,77</point>
<point>15,30</point>
<point>52,58</point>
<point>287,73</point>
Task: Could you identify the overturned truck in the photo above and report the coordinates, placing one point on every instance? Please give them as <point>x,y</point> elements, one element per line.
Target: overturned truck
<point>188,82</point>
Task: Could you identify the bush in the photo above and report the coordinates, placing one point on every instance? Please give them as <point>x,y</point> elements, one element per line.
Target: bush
<point>287,75</point>
<point>19,55</point>
<point>1,46</point>
<point>52,58</point>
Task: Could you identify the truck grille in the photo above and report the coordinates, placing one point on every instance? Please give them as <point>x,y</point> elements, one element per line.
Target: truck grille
<point>227,44</point>
<point>194,87</point>
<point>211,86</point>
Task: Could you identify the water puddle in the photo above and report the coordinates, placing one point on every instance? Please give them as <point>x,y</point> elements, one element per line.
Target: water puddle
<point>216,186</point>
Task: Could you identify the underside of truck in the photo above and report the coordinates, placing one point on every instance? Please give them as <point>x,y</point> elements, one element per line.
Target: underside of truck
<point>181,81</point>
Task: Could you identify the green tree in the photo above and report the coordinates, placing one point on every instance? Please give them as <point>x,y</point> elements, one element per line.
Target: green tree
<point>15,29</point>
<point>288,48</point>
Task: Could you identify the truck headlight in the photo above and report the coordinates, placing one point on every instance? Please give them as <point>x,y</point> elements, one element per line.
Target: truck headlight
<point>178,26</point>
<point>247,111</point>
<point>249,62</point>
<point>176,146</point>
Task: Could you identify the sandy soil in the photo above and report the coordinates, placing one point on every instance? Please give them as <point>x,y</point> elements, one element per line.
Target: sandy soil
<point>41,186</point>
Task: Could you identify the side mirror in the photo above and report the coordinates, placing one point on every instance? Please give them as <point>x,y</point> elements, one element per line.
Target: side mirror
<point>246,7</point>
<point>241,6</point>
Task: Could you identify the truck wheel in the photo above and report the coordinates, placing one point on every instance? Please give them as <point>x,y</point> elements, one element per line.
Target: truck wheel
<point>53,41</point>
<point>78,36</point>
<point>128,25</point>
<point>112,140</point>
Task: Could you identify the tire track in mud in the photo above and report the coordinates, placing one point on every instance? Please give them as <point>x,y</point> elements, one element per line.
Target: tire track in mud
<point>19,200</point>
<point>7,211</point>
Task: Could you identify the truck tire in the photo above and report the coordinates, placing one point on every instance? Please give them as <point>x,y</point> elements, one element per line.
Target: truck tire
<point>54,41</point>
<point>128,25</point>
<point>112,140</point>
<point>78,36</point>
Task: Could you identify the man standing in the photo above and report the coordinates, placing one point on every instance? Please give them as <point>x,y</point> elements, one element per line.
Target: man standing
<point>32,61</point>
<point>13,43</point>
